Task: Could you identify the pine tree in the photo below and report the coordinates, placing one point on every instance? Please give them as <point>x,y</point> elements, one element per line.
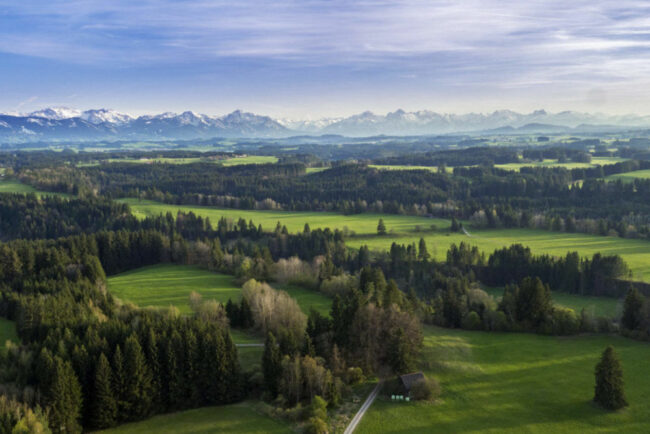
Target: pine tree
<point>104,405</point>
<point>152,360</point>
<point>119,384</point>
<point>245,314</point>
<point>455,227</point>
<point>609,381</point>
<point>63,398</point>
<point>633,310</point>
<point>381,227</point>
<point>392,295</point>
<point>399,353</point>
<point>308,346</point>
<point>138,379</point>
<point>232,312</point>
<point>272,365</point>
<point>423,253</point>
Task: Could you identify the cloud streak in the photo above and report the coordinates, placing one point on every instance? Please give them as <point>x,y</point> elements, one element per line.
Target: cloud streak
<point>503,43</point>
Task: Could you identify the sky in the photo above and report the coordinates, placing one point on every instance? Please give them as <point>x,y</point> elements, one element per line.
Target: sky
<point>310,59</point>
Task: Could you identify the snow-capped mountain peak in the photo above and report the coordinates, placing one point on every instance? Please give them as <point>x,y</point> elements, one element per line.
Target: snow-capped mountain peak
<point>105,115</point>
<point>62,123</point>
<point>56,113</point>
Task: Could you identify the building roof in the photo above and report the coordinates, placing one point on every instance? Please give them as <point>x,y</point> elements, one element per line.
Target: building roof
<point>409,379</point>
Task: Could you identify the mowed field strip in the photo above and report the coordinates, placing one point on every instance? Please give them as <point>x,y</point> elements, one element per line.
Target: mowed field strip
<point>514,383</point>
<point>403,230</point>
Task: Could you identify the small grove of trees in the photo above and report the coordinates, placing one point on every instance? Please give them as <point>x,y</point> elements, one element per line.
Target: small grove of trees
<point>19,418</point>
<point>274,311</point>
<point>609,391</point>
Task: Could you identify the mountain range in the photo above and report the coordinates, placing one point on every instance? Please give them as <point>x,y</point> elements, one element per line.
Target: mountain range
<point>60,124</point>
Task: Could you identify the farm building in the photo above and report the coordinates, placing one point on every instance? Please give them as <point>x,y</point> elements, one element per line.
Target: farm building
<point>407,380</point>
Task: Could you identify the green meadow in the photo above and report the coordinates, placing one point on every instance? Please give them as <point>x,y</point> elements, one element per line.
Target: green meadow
<point>630,176</point>
<point>515,383</point>
<point>595,161</point>
<point>7,332</point>
<point>599,306</point>
<point>316,169</point>
<point>635,252</point>
<point>409,229</point>
<point>166,285</point>
<point>15,186</point>
<point>163,285</point>
<point>295,221</point>
<point>404,167</point>
<point>242,417</point>
<point>235,161</point>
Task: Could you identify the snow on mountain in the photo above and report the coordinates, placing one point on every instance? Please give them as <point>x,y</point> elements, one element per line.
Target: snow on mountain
<point>62,123</point>
<point>56,113</point>
<point>103,115</point>
<point>307,125</point>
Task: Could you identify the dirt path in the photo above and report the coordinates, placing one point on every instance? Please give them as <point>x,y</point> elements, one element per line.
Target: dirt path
<point>366,405</point>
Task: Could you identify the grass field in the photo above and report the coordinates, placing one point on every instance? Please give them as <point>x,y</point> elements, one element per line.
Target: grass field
<point>163,285</point>
<point>635,252</point>
<point>599,306</point>
<point>403,167</point>
<point>236,418</point>
<point>295,221</point>
<point>514,383</point>
<point>316,169</point>
<point>630,176</point>
<point>595,161</point>
<point>402,229</point>
<point>7,332</point>
<point>235,161</point>
<point>15,186</point>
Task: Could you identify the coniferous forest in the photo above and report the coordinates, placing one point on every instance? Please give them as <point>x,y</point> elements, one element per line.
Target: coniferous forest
<point>84,359</point>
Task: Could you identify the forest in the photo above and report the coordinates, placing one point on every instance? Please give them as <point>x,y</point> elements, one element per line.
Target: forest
<point>83,359</point>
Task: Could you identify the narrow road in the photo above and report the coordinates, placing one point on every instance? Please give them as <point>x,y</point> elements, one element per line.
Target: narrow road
<point>248,345</point>
<point>366,405</point>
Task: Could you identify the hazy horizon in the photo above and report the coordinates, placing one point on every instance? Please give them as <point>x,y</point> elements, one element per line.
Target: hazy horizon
<point>315,59</point>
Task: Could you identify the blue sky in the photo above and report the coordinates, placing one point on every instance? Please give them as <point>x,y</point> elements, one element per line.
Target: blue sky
<point>325,58</point>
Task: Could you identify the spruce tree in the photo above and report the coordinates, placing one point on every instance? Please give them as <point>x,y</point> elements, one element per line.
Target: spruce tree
<point>308,346</point>
<point>245,314</point>
<point>272,365</point>
<point>104,404</point>
<point>633,310</point>
<point>399,353</point>
<point>119,384</point>
<point>609,391</point>
<point>381,227</point>
<point>423,253</point>
<point>64,399</point>
<point>138,379</point>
